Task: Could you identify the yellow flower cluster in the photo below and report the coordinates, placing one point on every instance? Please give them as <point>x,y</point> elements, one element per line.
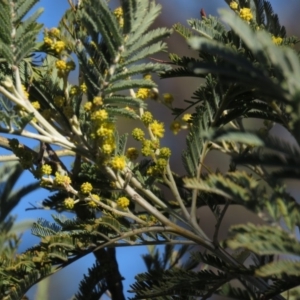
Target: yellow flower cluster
<point>69,203</point>
<point>175,127</point>
<point>123,202</point>
<point>153,220</point>
<point>68,111</point>
<point>58,46</point>
<point>157,129</point>
<point>246,14</point>
<point>54,32</point>
<point>132,153</point>
<point>74,90</point>
<point>277,40</point>
<point>98,101</point>
<point>161,164</point>
<point>158,168</point>
<point>87,106</point>
<point>48,41</point>
<point>62,179</point>
<point>83,88</point>
<point>102,130</point>
<point>106,129</point>
<point>46,169</point>
<point>92,203</point>
<point>26,94</point>
<point>59,101</point>
<point>118,163</point>
<point>118,12</point>
<point>36,105</point>
<point>108,147</point>
<point>149,147</point>
<point>100,115</point>
<point>143,93</point>
<point>233,5</point>
<point>147,118</point>
<point>138,134</point>
<point>143,217</point>
<point>168,98</point>
<point>61,65</point>
<point>165,152</point>
<point>86,188</point>
<point>186,117</point>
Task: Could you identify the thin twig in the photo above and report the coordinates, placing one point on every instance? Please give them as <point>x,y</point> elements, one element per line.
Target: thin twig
<point>195,191</point>
<point>173,187</point>
<point>220,219</point>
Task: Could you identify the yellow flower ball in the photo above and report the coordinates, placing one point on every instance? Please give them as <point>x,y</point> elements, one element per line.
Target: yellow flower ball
<point>87,106</point>
<point>54,31</point>
<point>100,115</point>
<point>123,202</point>
<point>246,14</point>
<point>69,203</point>
<point>59,101</point>
<point>168,98</point>
<point>86,188</point>
<point>59,46</point>
<point>157,129</point>
<point>62,179</point>
<point>277,40</point>
<point>165,152</point>
<point>83,88</point>
<point>47,41</point>
<point>147,77</point>
<point>26,94</point>
<point>143,93</point>
<point>61,65</point>
<point>118,12</point>
<point>118,163</point>
<point>108,148</point>
<point>97,100</point>
<point>147,118</point>
<point>36,105</point>
<point>233,5</point>
<point>132,153</point>
<point>147,148</point>
<point>161,164</point>
<point>74,90</point>
<point>175,127</point>
<point>186,117</point>
<point>138,134</point>
<point>46,169</point>
<point>92,203</point>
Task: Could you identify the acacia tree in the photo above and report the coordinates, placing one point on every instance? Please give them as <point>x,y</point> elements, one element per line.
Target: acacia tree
<point>250,71</point>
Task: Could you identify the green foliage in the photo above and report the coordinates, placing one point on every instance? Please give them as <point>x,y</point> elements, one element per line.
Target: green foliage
<point>246,67</point>
<point>90,287</point>
<point>18,272</point>
<point>18,35</point>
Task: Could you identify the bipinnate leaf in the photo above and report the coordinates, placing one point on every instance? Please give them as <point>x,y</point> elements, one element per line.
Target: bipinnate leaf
<point>263,240</point>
